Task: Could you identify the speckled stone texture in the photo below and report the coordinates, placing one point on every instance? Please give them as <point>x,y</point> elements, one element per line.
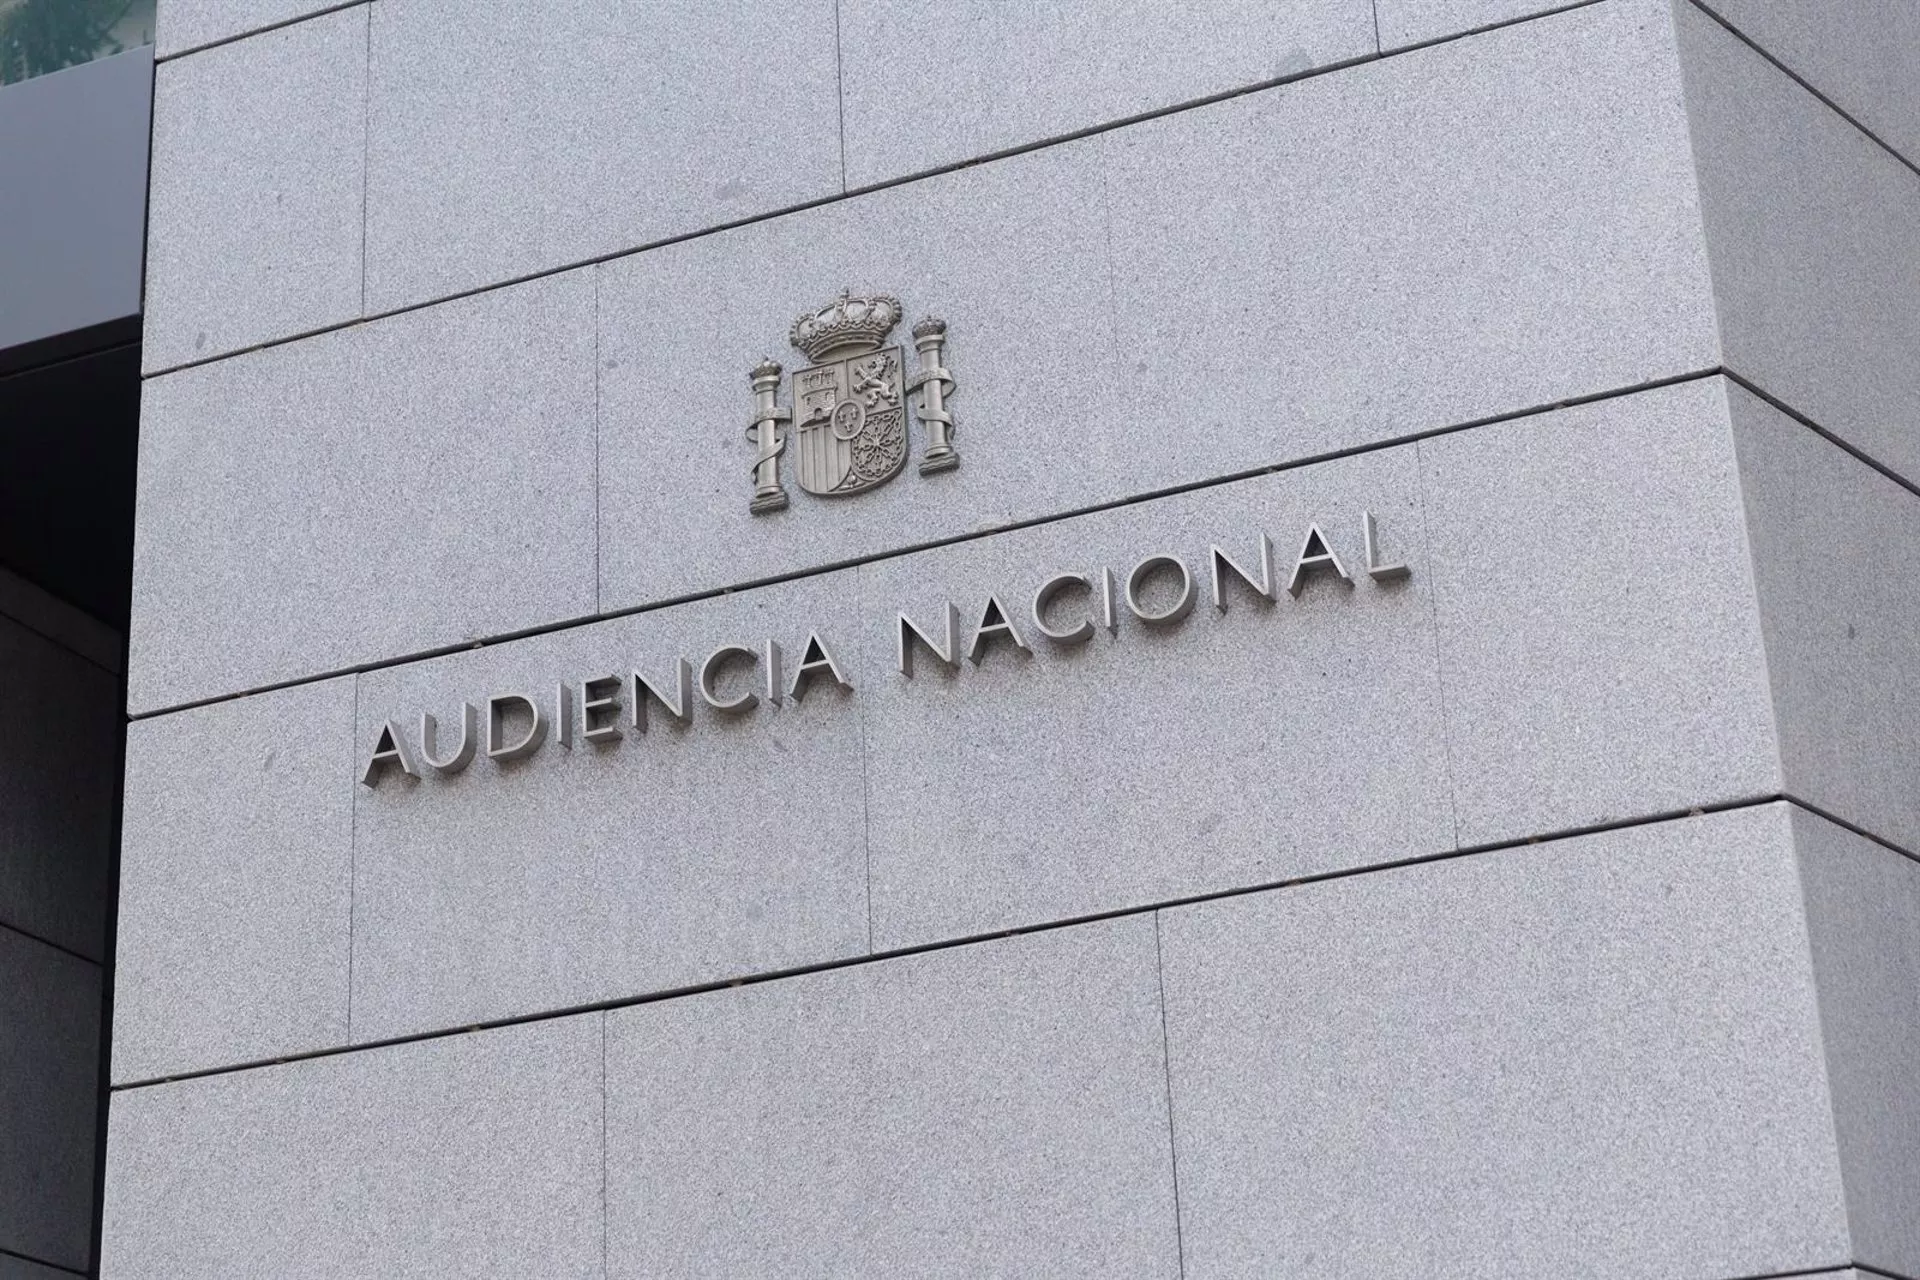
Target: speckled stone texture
<point>1122,319</point>
<point>181,25</point>
<point>1600,1057</point>
<point>521,136</point>
<point>58,758</point>
<point>674,857</point>
<point>928,83</point>
<point>1813,231</point>
<point>1559,658</point>
<point>236,867</point>
<point>1863,918</point>
<point>1410,22</point>
<point>1863,55</point>
<point>991,1110</point>
<point>254,209</point>
<point>465,1155</point>
<point>1836,553</point>
<point>1234,749</point>
<point>405,485</point>
<point>49,1056</point>
<point>1600,643</point>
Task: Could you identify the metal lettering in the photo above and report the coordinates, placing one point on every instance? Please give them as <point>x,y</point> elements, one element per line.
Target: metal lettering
<point>600,708</point>
<point>776,688</point>
<point>1377,571</point>
<point>1044,597</point>
<point>1263,587</point>
<point>463,754</point>
<point>1179,609</point>
<point>815,662</point>
<point>994,625</point>
<point>910,635</point>
<point>727,653</point>
<point>563,714</point>
<point>497,748</point>
<point>679,706</point>
<point>1315,553</point>
<point>389,751</point>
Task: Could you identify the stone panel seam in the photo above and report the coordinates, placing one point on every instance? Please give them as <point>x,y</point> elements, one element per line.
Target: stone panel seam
<point>598,532</point>
<point>866,776</point>
<point>1439,657</point>
<point>1838,821</point>
<point>1377,46</point>
<point>5,1252</point>
<point>837,566</point>
<point>1166,1063</point>
<point>1755,389</point>
<point>1802,81</point>
<point>993,157</point>
<point>1803,926</point>
<point>366,155</point>
<point>353,847</point>
<point>250,32</point>
<point>1864,1269</point>
<point>840,94</point>
<point>1756,605</point>
<point>1482,29</point>
<point>31,936</point>
<point>979,939</point>
<point>606,1227</point>
<point>109,990</point>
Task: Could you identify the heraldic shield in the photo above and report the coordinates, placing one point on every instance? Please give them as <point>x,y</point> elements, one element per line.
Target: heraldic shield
<point>849,416</point>
<point>851,423</point>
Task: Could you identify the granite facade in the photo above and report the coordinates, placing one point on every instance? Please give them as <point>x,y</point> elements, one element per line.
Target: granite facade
<point>1512,878</point>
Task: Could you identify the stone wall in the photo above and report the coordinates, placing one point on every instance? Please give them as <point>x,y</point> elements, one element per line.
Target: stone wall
<point>1545,909</point>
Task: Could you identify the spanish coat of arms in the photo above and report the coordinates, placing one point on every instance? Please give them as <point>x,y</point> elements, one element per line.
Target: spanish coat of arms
<point>847,429</point>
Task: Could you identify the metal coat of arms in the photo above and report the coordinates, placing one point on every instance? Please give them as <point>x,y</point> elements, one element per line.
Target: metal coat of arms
<point>847,428</point>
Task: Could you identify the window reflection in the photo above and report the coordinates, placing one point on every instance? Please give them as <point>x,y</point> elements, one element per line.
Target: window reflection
<point>38,36</point>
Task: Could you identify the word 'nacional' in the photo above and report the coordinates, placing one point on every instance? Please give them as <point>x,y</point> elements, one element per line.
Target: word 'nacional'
<point>1067,610</point>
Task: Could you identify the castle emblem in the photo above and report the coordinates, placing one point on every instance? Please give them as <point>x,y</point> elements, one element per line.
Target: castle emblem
<point>847,429</point>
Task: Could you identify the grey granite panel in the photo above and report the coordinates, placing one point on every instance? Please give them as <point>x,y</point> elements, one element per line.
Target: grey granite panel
<point>59,757</point>
<point>1864,55</point>
<point>254,213</point>
<point>1124,319</point>
<point>404,485</point>
<point>1239,748</point>
<point>1475,228</point>
<point>673,857</point>
<point>1863,919</point>
<point>1836,552</point>
<point>1601,646</point>
<point>991,1110</point>
<point>931,82</point>
<point>476,1154</point>
<point>517,137</point>
<point>1408,22</point>
<point>188,24</point>
<point>49,1070</point>
<point>73,207</point>
<point>1813,232</point>
<point>235,876</point>
<point>1009,254</point>
<point>1600,1057</point>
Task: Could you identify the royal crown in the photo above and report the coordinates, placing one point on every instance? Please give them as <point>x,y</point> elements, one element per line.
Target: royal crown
<point>847,324</point>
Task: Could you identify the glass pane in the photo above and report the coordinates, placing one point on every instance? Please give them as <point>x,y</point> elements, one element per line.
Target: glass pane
<point>38,36</point>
